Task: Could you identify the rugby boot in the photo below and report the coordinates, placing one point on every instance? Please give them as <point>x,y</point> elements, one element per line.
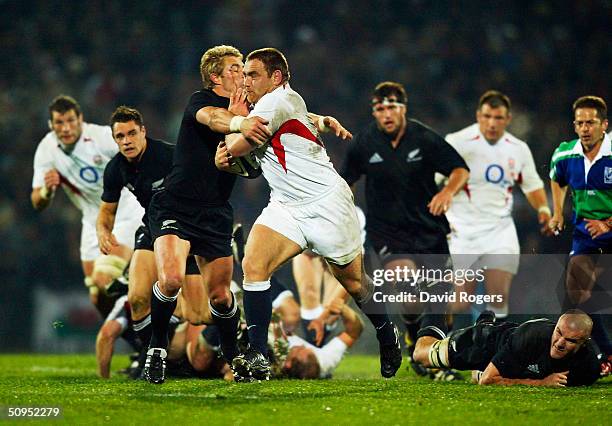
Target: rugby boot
<point>155,366</point>
<point>390,356</point>
<point>251,364</point>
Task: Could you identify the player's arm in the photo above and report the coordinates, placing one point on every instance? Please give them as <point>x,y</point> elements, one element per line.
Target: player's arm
<point>328,123</point>
<point>104,227</point>
<point>492,376</point>
<point>556,223</point>
<point>457,179</point>
<point>42,196</point>
<point>537,199</point>
<point>105,342</point>
<point>238,145</point>
<point>353,326</point>
<point>221,120</point>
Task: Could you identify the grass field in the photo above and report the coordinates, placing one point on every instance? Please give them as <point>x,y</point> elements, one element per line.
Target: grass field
<point>355,396</point>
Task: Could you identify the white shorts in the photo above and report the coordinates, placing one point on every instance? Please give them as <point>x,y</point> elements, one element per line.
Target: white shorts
<point>328,225</point>
<point>127,221</point>
<point>495,249</point>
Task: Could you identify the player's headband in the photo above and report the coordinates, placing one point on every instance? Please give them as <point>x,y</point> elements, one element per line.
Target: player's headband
<point>385,102</point>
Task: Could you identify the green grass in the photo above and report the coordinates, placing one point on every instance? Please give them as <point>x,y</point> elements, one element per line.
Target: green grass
<point>355,396</point>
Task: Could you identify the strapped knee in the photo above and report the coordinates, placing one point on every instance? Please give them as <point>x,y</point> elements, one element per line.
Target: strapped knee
<point>110,265</point>
<point>91,286</point>
<point>438,353</point>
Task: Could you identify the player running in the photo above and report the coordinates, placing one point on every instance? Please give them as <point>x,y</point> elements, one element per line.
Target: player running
<point>73,155</point>
<point>311,206</point>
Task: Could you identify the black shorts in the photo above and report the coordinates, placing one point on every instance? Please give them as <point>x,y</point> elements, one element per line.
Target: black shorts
<point>473,348</point>
<point>433,255</point>
<point>143,241</point>
<point>208,229</point>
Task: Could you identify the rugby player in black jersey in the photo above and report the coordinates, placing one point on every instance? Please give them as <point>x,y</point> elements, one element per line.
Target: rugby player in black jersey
<point>141,165</point>
<point>537,353</point>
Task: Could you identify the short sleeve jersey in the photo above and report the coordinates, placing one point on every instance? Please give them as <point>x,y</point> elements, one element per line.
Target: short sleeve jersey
<point>525,354</point>
<point>81,171</point>
<point>400,181</point>
<point>295,162</point>
<point>589,182</point>
<point>142,178</point>
<point>329,356</point>
<point>194,175</point>
<point>494,171</point>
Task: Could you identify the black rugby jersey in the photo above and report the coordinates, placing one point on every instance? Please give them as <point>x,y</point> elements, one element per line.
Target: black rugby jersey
<point>194,175</point>
<point>142,178</point>
<point>525,354</point>
<point>400,181</point>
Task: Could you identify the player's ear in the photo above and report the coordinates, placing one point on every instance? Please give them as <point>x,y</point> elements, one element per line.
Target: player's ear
<point>215,79</point>
<point>50,124</point>
<point>509,117</point>
<point>277,76</point>
<point>143,129</point>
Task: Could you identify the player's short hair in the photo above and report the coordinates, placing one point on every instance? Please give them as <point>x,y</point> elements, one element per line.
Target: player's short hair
<point>594,102</point>
<point>495,99</point>
<point>212,62</point>
<point>123,114</point>
<point>387,89</point>
<point>304,368</point>
<point>62,104</point>
<point>273,60</point>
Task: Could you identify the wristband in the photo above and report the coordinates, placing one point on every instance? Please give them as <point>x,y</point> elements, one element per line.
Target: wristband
<point>235,123</point>
<point>46,193</point>
<point>545,209</point>
<point>321,124</point>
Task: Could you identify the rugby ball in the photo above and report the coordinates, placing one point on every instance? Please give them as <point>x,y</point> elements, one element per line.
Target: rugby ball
<point>248,166</point>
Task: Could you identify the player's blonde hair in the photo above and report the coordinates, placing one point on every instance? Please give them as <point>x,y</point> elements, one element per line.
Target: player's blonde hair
<point>212,62</point>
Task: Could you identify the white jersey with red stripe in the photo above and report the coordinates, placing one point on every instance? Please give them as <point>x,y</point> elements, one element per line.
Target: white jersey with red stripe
<point>295,163</point>
<point>81,171</point>
<point>494,170</point>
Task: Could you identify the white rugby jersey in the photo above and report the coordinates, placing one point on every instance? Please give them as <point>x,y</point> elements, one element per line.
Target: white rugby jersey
<point>295,163</point>
<point>81,171</point>
<point>494,170</point>
<point>329,356</point>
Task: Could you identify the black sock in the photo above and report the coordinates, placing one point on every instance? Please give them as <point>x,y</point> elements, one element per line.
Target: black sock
<point>376,313</point>
<point>226,319</point>
<point>142,327</point>
<point>258,311</point>
<point>433,325</point>
<point>412,328</point>
<point>162,308</point>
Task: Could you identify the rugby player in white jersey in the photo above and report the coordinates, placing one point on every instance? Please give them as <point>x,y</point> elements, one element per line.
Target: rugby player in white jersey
<point>73,155</point>
<point>480,216</point>
<point>310,206</point>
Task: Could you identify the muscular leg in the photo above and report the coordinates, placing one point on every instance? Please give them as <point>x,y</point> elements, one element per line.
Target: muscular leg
<point>266,250</point>
<point>194,301</point>
<point>498,282</point>
<point>170,257</point>
<point>359,285</point>
<point>308,275</point>
<point>217,274</point>
<point>143,273</point>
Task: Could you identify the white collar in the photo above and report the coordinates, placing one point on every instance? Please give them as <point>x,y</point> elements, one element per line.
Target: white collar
<point>604,149</point>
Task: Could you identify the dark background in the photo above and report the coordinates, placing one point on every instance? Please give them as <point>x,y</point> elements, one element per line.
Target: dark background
<point>543,54</point>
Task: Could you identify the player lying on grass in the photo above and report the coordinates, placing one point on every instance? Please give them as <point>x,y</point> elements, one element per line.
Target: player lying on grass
<point>307,361</point>
<point>119,324</point>
<point>194,349</point>
<point>537,352</point>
